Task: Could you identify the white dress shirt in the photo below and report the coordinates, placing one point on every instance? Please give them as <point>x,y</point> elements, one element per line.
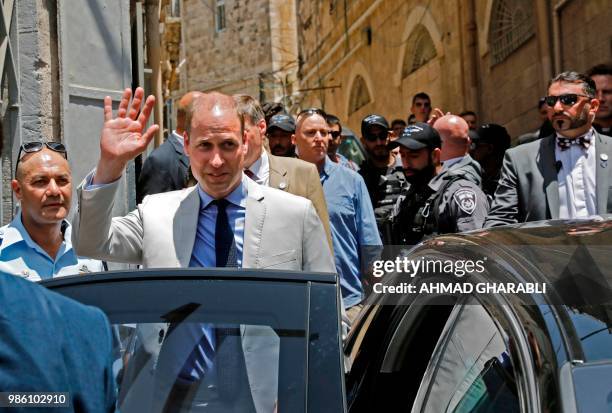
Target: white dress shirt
<point>178,137</point>
<point>576,177</point>
<point>261,169</point>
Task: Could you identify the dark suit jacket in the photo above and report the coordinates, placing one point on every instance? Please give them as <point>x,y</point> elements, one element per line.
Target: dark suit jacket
<point>528,189</point>
<point>51,343</point>
<point>300,178</point>
<point>164,170</point>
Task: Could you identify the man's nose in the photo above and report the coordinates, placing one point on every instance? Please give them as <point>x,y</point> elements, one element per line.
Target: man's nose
<point>320,135</point>
<point>217,160</point>
<point>53,188</point>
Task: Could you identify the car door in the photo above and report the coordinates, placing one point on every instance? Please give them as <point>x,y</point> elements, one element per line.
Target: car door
<point>220,340</point>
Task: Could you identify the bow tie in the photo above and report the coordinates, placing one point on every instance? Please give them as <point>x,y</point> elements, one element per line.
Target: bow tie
<point>565,143</point>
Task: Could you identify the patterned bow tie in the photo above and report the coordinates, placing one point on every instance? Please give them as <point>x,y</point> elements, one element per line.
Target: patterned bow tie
<point>565,143</point>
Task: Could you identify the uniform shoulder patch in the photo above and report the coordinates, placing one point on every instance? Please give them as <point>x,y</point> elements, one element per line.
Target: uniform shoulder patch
<point>466,200</point>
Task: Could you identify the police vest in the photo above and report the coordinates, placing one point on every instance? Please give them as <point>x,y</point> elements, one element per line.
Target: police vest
<point>419,214</point>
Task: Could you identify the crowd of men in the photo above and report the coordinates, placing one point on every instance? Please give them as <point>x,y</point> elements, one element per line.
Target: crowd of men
<point>241,184</point>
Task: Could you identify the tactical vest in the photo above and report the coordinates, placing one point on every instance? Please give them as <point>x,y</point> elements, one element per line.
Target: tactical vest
<point>390,187</point>
<point>418,215</point>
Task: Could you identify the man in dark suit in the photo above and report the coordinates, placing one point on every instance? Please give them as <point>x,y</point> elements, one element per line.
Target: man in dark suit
<point>166,168</point>
<point>563,176</point>
<point>50,343</point>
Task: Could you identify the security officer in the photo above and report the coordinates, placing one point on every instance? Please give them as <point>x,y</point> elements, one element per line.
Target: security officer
<point>419,148</point>
<point>382,177</point>
<point>450,202</point>
<point>489,144</point>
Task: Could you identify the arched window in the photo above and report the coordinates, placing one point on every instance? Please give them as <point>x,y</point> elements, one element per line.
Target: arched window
<point>420,49</point>
<point>512,24</point>
<point>360,96</point>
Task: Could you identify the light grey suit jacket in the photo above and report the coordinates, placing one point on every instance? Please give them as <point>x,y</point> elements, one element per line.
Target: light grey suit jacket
<point>528,189</point>
<point>282,231</point>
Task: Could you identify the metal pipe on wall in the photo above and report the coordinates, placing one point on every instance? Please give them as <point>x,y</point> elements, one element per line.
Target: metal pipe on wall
<point>152,13</point>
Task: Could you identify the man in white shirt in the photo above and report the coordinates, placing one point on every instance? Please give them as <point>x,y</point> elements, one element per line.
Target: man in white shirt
<point>565,175</point>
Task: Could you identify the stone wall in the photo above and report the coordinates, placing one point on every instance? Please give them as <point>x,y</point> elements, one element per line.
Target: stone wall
<point>370,39</point>
<point>229,60</point>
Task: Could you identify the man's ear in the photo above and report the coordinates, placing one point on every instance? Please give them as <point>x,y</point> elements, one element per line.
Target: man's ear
<point>245,142</point>
<point>261,125</point>
<point>435,156</point>
<point>293,139</point>
<point>594,106</point>
<point>16,187</point>
<point>186,143</point>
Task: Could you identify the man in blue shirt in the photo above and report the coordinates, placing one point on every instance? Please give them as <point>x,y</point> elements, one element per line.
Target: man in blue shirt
<point>354,232</point>
<point>36,244</point>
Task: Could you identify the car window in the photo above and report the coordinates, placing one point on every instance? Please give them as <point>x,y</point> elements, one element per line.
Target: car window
<point>390,354</point>
<point>472,369</point>
<point>223,345</point>
<point>189,364</point>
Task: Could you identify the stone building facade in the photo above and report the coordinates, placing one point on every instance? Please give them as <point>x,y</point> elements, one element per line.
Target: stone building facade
<point>239,46</point>
<point>491,56</point>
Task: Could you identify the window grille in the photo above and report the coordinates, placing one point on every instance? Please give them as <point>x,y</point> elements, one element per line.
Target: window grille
<point>512,24</point>
<point>360,96</point>
<point>420,49</point>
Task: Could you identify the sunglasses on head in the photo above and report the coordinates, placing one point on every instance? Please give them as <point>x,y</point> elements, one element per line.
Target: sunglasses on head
<point>37,146</point>
<point>310,112</point>
<point>567,99</point>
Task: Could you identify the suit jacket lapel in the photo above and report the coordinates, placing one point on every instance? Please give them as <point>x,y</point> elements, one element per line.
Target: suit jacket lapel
<point>278,174</point>
<point>549,173</point>
<point>253,225</point>
<point>602,173</point>
<point>185,226</point>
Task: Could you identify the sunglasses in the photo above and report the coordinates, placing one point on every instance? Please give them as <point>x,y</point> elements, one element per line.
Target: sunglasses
<point>335,133</point>
<point>568,99</point>
<point>371,137</point>
<point>310,112</point>
<point>37,146</point>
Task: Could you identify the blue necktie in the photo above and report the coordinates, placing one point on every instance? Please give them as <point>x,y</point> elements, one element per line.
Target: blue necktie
<point>225,247</point>
<point>200,361</point>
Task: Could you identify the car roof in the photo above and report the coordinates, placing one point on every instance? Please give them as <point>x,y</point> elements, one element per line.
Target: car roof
<point>573,257</point>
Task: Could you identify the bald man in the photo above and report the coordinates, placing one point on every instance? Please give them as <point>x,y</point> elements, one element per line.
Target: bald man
<point>166,168</point>
<point>36,244</point>
<point>459,204</point>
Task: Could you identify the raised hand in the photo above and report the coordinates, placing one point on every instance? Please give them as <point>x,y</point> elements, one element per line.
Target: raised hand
<point>436,114</point>
<point>123,137</point>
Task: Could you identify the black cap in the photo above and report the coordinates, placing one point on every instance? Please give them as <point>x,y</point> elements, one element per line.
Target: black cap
<point>373,120</point>
<point>494,134</point>
<point>283,122</point>
<point>417,136</point>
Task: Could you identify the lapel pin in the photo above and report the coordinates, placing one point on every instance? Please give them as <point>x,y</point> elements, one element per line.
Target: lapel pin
<point>604,160</point>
